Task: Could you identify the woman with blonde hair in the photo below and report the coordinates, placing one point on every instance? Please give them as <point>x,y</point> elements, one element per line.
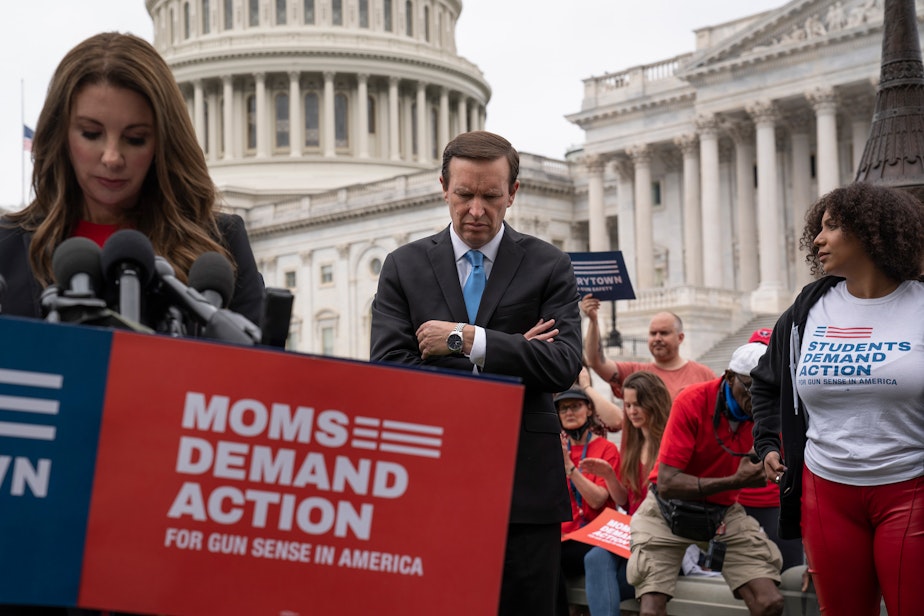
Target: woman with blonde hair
<point>646,405</point>
<point>114,148</point>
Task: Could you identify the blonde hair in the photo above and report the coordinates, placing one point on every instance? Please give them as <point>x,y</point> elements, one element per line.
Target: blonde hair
<point>177,205</point>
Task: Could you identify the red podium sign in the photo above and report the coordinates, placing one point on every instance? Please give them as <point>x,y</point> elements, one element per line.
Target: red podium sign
<point>239,482</point>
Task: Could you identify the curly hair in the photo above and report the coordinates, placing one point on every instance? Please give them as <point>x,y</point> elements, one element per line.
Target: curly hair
<point>652,395</point>
<point>177,205</point>
<point>888,222</point>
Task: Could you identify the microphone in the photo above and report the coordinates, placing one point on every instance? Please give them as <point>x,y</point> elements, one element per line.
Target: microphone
<point>218,324</point>
<point>128,261</point>
<point>77,267</point>
<point>78,275</point>
<point>211,275</point>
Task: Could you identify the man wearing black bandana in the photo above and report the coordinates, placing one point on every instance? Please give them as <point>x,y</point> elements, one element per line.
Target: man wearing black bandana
<point>706,457</point>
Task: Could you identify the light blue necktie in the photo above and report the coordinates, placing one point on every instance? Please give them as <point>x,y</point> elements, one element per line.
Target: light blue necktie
<point>474,284</point>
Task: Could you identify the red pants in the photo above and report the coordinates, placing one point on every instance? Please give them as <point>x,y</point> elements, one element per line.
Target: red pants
<point>864,544</point>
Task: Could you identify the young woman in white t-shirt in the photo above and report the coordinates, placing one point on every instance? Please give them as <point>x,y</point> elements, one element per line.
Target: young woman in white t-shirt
<point>838,402</point>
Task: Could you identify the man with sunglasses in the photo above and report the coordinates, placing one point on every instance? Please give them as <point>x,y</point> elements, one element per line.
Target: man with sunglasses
<point>706,457</point>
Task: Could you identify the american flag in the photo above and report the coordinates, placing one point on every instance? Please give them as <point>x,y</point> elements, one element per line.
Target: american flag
<point>27,134</point>
<point>829,331</point>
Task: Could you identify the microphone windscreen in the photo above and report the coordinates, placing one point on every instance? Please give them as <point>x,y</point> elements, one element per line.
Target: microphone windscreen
<point>77,255</point>
<point>131,247</point>
<point>211,271</point>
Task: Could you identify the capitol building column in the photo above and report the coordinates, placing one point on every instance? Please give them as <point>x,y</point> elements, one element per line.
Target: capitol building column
<point>199,112</point>
<point>227,87</point>
<point>707,125</point>
<point>296,121</point>
<point>362,103</point>
<point>596,218</point>
<point>327,130</point>
<point>824,102</point>
<point>421,119</point>
<point>463,115</point>
<point>443,132</point>
<point>770,295</point>
<point>692,210</point>
<point>211,122</point>
<point>802,197</point>
<point>260,119</point>
<point>746,218</point>
<point>626,215</point>
<point>394,137</point>
<point>644,240</point>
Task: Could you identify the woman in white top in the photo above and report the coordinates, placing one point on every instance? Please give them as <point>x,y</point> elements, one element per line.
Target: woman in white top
<point>838,403</point>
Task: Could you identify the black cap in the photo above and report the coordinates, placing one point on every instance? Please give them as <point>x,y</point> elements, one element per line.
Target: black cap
<point>574,393</point>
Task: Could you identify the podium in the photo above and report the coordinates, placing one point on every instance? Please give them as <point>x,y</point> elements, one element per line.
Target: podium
<point>148,474</point>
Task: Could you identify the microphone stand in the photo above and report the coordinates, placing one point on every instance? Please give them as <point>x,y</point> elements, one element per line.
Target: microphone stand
<point>84,309</point>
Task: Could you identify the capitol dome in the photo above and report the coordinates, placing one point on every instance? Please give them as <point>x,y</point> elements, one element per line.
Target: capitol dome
<point>295,97</point>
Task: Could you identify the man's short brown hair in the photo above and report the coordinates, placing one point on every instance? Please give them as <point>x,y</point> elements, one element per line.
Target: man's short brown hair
<point>481,145</point>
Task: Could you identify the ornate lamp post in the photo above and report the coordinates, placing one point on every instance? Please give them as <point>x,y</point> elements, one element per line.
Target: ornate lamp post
<point>894,153</point>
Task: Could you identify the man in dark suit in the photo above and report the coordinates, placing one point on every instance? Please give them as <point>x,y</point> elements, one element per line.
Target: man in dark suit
<point>422,316</point>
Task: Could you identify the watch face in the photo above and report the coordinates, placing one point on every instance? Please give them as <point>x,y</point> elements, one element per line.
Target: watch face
<point>454,342</point>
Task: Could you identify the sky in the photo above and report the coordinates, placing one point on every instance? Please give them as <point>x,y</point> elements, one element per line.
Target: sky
<point>534,53</point>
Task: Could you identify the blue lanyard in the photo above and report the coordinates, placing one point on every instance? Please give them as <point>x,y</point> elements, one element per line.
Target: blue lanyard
<point>574,491</point>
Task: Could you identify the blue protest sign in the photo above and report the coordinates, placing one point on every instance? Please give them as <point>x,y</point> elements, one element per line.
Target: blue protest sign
<point>603,274</point>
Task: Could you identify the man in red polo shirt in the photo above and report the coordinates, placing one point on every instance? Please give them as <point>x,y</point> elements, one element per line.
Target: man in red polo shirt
<point>702,464</point>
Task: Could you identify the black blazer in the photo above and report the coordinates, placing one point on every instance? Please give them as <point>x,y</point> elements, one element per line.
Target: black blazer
<point>530,279</point>
<point>23,292</point>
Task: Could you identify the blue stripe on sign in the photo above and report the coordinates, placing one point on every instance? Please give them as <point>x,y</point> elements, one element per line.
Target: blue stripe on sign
<point>52,385</point>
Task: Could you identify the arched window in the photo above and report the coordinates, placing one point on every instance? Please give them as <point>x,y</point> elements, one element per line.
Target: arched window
<point>280,12</point>
<point>409,18</point>
<point>363,13</point>
<point>312,123</point>
<point>186,24</point>
<point>308,7</point>
<point>371,107</point>
<point>251,122</point>
<point>341,121</point>
<point>229,14</point>
<point>439,28</point>
<point>336,12</point>
<point>386,10</point>
<point>206,18</point>
<point>282,120</point>
<point>253,18</point>
<point>427,23</point>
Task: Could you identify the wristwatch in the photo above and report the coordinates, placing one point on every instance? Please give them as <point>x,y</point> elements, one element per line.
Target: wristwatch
<point>454,341</point>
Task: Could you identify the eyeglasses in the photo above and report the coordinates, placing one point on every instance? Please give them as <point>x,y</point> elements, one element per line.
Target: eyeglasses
<point>574,407</point>
<point>744,380</point>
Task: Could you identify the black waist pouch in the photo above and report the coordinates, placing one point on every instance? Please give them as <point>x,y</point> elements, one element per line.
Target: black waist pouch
<point>696,520</point>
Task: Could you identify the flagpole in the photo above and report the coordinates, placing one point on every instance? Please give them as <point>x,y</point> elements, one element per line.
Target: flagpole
<point>22,162</point>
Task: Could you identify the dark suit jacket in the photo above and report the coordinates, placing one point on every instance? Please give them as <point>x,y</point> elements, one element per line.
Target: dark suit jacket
<point>530,279</point>
<point>23,292</point>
